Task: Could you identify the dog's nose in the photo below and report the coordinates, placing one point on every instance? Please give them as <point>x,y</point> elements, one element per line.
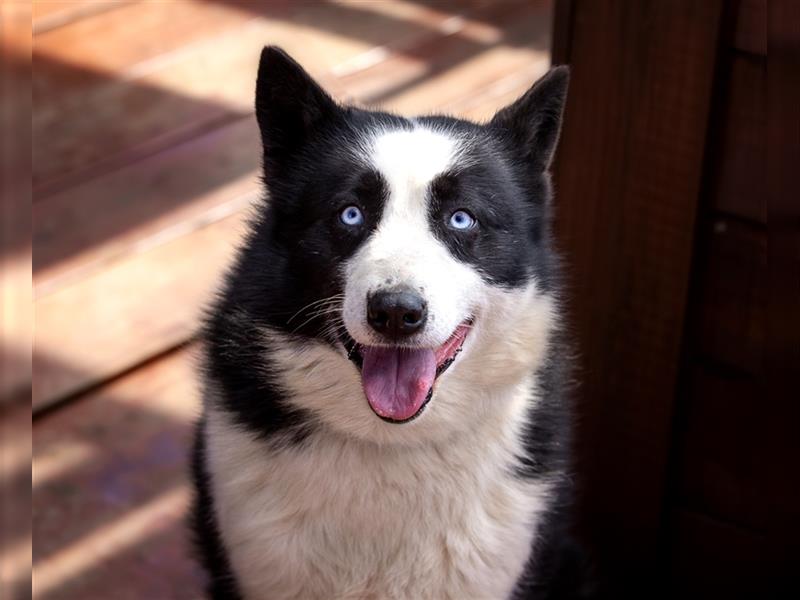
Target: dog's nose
<point>396,313</point>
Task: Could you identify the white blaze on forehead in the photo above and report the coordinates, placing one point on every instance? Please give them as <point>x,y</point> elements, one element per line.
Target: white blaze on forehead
<point>403,250</point>
<point>410,159</point>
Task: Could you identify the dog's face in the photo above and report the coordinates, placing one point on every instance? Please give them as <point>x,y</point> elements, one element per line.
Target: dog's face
<point>404,264</point>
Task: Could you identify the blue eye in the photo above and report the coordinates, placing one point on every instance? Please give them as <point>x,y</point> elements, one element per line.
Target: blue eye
<point>352,216</point>
<point>462,220</point>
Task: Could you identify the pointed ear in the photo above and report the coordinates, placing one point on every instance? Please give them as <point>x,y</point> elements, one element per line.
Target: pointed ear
<point>534,120</point>
<point>289,105</point>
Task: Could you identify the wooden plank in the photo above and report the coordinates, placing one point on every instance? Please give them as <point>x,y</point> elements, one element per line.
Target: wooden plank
<point>127,313</point>
<point>512,41</point>
<point>185,89</point>
<point>737,159</point>
<point>739,434</point>
<point>518,32</point>
<point>709,558</point>
<point>724,443</point>
<point>91,75</point>
<point>482,103</point>
<point>628,178</point>
<point>146,203</point>
<point>75,64</point>
<point>562,31</point>
<point>16,318</point>
<point>15,497</point>
<point>736,444</point>
<point>783,233</point>
<point>783,260</point>
<point>106,43</point>
<point>729,323</point>
<point>110,489</point>
<point>750,26</point>
<point>51,14</point>
<point>16,315</point>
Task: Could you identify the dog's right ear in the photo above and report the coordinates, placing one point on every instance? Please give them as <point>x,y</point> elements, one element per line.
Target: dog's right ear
<point>289,106</point>
<point>534,120</point>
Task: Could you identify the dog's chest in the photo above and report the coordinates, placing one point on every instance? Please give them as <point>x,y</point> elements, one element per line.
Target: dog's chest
<point>338,519</point>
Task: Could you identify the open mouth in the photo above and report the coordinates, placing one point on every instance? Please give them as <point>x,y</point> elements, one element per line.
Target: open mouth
<point>398,381</point>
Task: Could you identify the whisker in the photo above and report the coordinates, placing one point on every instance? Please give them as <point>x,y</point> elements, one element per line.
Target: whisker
<point>327,309</point>
<point>333,298</point>
<point>317,314</point>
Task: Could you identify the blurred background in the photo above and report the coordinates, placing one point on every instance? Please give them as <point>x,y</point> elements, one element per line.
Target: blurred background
<point>683,291</point>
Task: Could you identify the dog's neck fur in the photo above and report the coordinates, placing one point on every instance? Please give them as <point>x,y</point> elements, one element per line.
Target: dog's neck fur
<point>343,517</point>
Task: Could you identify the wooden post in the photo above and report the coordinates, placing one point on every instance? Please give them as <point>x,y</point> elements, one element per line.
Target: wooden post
<point>627,179</point>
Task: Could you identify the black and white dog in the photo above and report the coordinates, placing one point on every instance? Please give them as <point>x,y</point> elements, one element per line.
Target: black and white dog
<point>385,414</point>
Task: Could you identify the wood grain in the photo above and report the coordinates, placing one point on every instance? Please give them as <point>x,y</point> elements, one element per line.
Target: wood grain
<point>710,558</point>
<point>110,489</point>
<point>734,528</point>
<point>783,260</point>
<point>723,440</point>
<point>52,14</point>
<point>128,312</point>
<point>16,316</point>
<point>750,28</point>
<point>737,161</point>
<point>628,178</point>
<point>730,300</point>
<point>203,74</point>
<point>129,210</point>
<point>495,42</point>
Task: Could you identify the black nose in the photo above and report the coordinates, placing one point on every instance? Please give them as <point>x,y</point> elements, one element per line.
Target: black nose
<point>396,313</point>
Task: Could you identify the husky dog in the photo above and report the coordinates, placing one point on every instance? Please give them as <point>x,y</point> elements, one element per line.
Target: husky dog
<point>385,409</point>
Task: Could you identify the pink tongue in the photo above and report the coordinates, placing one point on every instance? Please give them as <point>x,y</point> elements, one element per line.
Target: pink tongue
<point>397,380</point>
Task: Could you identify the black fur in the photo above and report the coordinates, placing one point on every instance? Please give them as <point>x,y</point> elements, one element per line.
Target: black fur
<point>509,243</point>
<point>559,569</point>
<point>290,260</point>
<point>203,523</point>
<point>532,124</point>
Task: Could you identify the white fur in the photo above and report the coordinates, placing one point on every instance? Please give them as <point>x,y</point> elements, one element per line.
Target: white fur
<point>344,518</point>
<point>371,510</point>
<point>403,250</point>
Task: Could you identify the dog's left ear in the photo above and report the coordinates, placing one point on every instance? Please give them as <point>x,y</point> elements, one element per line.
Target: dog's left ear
<point>290,106</point>
<point>534,120</point>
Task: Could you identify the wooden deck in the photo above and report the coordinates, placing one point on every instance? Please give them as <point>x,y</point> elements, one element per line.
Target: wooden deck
<point>145,162</point>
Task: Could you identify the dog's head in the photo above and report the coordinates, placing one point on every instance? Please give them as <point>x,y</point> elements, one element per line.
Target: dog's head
<point>401,261</point>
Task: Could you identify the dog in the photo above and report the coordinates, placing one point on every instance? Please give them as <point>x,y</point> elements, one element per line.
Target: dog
<point>386,375</point>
